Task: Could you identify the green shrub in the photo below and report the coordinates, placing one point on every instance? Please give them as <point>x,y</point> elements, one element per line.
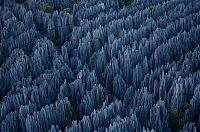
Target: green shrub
<point>66,10</point>
<point>186,106</point>
<point>48,8</point>
<point>150,8</point>
<point>173,113</point>
<point>52,35</point>
<point>33,40</point>
<point>1,60</point>
<point>126,2</point>
<point>118,35</point>
<point>101,97</point>
<point>176,121</point>
<point>72,113</point>
<point>24,55</point>
<point>20,1</point>
<point>19,23</point>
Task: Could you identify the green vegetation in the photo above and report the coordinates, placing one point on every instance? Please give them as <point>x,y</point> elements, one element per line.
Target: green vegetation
<point>126,2</point>
<point>110,87</point>
<point>1,60</point>
<point>186,106</point>
<point>33,40</point>
<point>66,10</point>
<point>176,121</point>
<point>19,23</point>
<point>72,113</point>
<point>53,38</point>
<point>118,35</point>
<point>101,97</point>
<point>20,1</point>
<point>48,8</point>
<point>24,56</point>
<point>197,117</point>
<point>150,9</point>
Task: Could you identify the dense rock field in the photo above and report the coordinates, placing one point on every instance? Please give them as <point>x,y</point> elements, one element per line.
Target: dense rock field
<point>99,65</point>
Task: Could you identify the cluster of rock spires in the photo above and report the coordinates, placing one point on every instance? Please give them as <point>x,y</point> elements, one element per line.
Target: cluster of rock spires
<point>99,65</point>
